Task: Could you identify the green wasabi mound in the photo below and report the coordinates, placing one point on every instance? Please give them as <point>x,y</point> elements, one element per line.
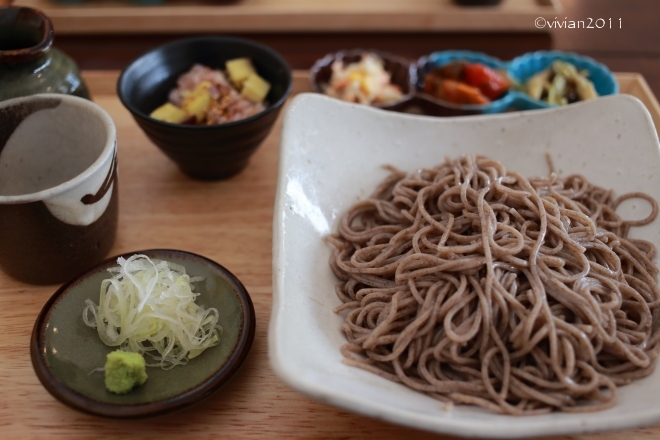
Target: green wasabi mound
<point>123,371</point>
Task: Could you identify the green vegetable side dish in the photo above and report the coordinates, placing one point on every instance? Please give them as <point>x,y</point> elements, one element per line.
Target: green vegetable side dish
<point>124,371</point>
<point>560,84</point>
<point>147,308</point>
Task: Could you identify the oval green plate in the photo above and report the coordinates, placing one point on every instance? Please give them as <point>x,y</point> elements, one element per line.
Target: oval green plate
<point>64,350</point>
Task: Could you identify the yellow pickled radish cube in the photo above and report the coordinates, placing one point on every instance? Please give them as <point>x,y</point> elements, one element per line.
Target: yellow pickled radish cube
<point>190,95</point>
<point>169,113</point>
<point>197,102</point>
<point>255,88</point>
<point>357,76</point>
<point>239,69</point>
<point>198,105</point>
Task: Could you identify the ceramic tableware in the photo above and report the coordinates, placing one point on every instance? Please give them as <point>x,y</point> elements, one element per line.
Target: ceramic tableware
<point>58,186</point>
<point>64,350</point>
<point>519,69</point>
<point>28,63</point>
<point>410,77</point>
<point>399,69</point>
<point>332,155</point>
<point>203,151</point>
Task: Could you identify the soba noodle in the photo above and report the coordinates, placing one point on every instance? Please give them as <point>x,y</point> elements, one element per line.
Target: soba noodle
<point>479,286</point>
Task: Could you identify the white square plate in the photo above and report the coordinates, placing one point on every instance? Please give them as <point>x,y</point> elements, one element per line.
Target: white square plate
<point>331,155</point>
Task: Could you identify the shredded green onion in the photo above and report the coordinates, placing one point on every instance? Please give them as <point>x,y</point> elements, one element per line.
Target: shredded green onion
<point>148,307</point>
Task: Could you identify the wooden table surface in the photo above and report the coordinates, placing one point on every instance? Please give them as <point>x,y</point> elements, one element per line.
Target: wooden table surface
<point>230,222</point>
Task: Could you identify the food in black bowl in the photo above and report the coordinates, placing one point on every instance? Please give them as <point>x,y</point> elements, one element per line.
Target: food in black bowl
<point>206,96</point>
<point>202,150</point>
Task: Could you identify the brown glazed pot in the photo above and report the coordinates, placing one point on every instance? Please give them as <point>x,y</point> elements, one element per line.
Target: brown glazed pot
<point>28,63</point>
<point>58,186</point>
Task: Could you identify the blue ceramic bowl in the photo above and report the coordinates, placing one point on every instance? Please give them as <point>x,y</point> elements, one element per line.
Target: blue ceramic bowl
<point>519,69</point>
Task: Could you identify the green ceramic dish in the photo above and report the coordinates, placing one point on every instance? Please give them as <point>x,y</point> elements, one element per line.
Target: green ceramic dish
<point>64,350</point>
<point>28,63</point>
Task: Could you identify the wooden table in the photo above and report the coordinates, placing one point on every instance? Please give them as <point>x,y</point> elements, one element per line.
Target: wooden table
<point>230,222</point>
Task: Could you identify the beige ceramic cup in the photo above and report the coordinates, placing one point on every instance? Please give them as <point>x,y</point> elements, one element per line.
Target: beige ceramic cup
<point>58,186</point>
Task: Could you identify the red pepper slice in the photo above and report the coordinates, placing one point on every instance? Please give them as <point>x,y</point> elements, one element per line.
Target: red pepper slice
<point>491,83</point>
<point>460,93</point>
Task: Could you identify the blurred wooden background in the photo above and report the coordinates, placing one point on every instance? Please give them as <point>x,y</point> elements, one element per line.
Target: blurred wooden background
<point>633,48</point>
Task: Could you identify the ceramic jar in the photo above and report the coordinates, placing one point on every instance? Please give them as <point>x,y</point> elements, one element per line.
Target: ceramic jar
<point>58,186</point>
<point>28,63</point>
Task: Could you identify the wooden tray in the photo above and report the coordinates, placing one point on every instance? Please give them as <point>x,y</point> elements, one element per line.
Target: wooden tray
<point>182,16</point>
<point>231,223</point>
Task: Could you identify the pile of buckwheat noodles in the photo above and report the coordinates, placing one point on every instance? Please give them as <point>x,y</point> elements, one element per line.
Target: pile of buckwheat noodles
<point>479,286</point>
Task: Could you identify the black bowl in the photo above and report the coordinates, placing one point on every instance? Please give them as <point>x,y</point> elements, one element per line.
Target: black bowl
<point>209,151</point>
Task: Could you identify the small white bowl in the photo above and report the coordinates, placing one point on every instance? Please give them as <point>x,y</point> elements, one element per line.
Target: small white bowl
<point>331,155</point>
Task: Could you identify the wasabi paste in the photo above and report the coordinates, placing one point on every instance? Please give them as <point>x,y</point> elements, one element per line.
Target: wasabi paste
<point>123,371</point>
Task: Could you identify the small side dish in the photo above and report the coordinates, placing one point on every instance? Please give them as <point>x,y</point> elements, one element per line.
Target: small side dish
<point>467,83</point>
<point>65,350</point>
<point>560,84</point>
<point>206,96</point>
<point>364,82</point>
<point>461,82</point>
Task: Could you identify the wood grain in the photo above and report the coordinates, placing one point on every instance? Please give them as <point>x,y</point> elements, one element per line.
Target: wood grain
<point>230,222</point>
<point>177,16</point>
<point>635,37</point>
